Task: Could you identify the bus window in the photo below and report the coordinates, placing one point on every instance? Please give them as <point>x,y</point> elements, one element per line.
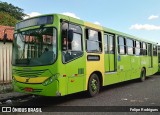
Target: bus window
<point>111,47</point>
<point>137,48</point>
<point>94,43</point>
<point>76,43</point>
<point>144,49</point>
<point>109,44</point>
<point>106,49</point>
<point>29,47</point>
<point>121,45</point>
<point>130,48</point>
<point>154,50</point>
<point>71,49</point>
<point>149,50</point>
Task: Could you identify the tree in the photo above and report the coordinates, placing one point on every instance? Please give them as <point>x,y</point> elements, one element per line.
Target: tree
<point>12,10</point>
<point>7,20</point>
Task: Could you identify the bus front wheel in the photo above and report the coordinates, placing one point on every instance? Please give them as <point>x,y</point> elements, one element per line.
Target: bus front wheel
<point>143,75</point>
<point>93,85</point>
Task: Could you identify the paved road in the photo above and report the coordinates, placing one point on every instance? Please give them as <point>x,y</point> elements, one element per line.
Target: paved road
<point>131,93</point>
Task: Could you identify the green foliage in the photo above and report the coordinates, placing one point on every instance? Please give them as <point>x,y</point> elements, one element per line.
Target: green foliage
<point>12,10</point>
<point>6,19</point>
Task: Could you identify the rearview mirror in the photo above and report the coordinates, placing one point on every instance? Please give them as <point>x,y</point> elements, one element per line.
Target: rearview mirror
<point>4,38</point>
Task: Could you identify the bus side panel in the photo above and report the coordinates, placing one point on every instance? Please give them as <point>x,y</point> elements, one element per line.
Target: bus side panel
<point>136,69</point>
<point>149,66</point>
<point>124,68</point>
<point>152,65</point>
<point>110,76</point>
<point>112,62</point>
<point>75,71</point>
<point>92,66</point>
<point>144,64</point>
<point>155,64</point>
<point>107,62</point>
<point>128,68</point>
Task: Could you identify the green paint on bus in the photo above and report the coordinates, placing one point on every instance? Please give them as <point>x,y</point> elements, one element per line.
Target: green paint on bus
<point>57,55</point>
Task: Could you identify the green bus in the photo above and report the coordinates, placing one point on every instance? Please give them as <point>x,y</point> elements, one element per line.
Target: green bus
<point>57,55</point>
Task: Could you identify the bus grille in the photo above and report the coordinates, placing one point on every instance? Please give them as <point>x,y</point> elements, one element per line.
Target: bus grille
<point>31,74</point>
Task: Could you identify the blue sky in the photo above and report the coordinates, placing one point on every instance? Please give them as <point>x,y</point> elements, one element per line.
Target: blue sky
<point>140,18</point>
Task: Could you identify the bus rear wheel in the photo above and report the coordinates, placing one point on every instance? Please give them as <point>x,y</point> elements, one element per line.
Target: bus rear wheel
<point>143,75</point>
<point>93,85</point>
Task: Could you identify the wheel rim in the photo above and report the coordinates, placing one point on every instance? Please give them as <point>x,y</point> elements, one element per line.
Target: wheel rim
<point>94,85</point>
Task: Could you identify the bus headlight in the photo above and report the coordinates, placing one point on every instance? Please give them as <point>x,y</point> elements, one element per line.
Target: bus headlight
<point>49,80</point>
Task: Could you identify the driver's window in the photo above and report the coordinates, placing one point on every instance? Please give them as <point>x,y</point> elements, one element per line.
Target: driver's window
<point>71,49</point>
<point>76,44</point>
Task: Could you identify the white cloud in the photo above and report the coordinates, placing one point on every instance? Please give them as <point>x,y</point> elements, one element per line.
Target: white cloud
<point>71,14</point>
<point>152,17</point>
<point>32,14</point>
<point>144,27</point>
<point>97,23</point>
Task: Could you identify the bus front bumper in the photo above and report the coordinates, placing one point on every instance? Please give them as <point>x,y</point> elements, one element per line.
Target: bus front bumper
<point>38,89</point>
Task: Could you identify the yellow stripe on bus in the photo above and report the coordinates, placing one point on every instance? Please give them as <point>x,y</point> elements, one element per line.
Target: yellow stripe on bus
<point>88,24</point>
<point>92,66</point>
<point>30,80</point>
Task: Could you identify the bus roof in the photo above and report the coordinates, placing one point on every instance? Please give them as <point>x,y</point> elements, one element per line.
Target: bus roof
<point>101,28</point>
<point>95,26</point>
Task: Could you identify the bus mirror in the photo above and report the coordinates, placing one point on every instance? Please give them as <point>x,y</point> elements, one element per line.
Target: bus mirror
<point>4,38</point>
<point>70,35</point>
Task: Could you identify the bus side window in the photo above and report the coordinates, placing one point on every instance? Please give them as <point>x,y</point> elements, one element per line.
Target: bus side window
<point>93,41</point>
<point>154,50</point>
<point>71,48</point>
<point>121,45</point>
<point>137,48</point>
<point>130,46</point>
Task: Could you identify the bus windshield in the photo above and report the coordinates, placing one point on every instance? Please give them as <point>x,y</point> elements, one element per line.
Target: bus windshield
<point>35,47</point>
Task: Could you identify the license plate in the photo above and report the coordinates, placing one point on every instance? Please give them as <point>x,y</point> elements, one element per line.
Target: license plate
<point>27,89</point>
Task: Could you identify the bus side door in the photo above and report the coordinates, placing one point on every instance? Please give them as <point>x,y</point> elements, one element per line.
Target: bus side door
<point>109,59</point>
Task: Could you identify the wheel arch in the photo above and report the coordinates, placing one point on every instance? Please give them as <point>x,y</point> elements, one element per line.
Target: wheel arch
<point>99,74</point>
<point>144,69</point>
<point>142,74</point>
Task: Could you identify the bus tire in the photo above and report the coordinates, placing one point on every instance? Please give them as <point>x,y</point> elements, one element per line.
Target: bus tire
<point>143,75</point>
<point>93,85</point>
